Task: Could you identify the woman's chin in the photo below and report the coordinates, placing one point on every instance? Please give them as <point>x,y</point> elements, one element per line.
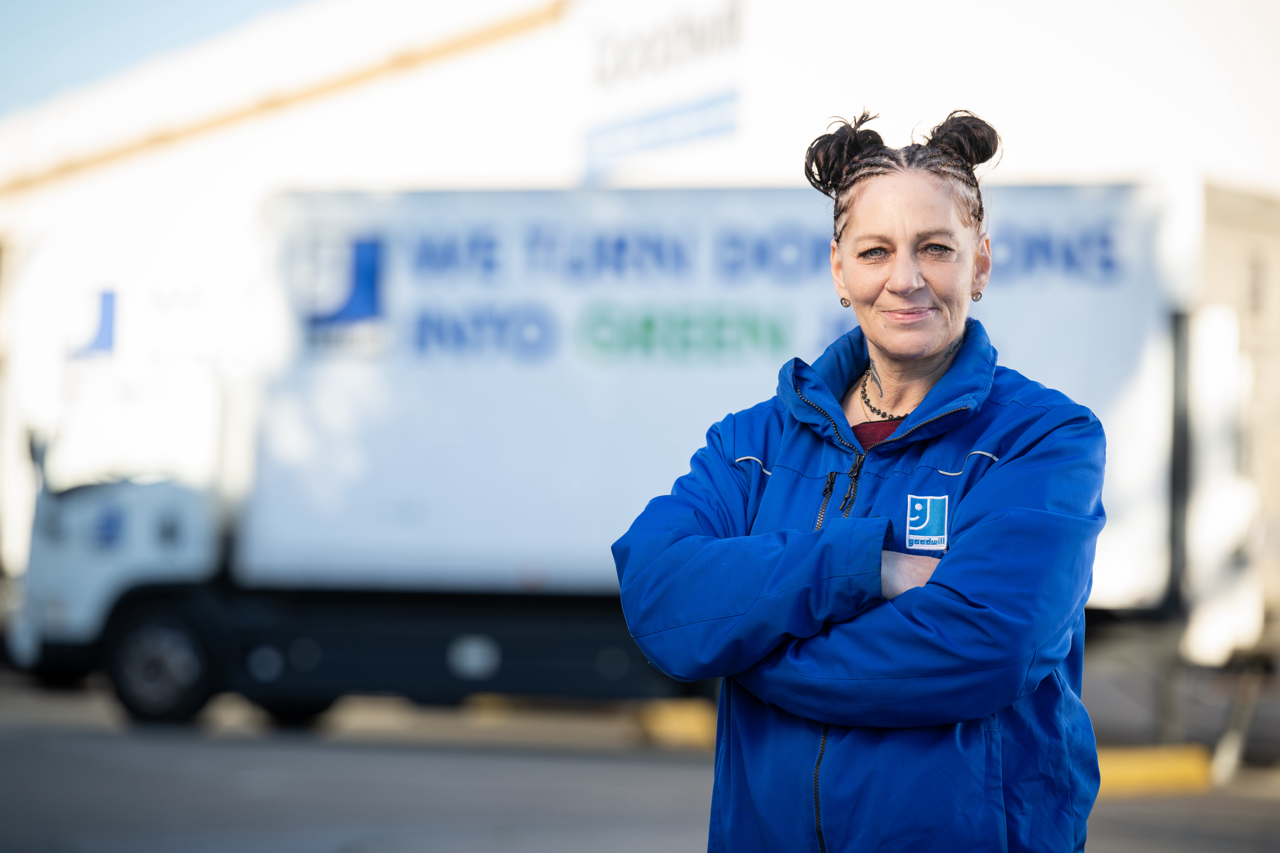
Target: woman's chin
<point>908,347</point>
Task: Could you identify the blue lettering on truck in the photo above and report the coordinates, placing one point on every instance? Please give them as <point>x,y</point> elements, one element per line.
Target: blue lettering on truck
<point>583,257</point>
<point>526,332</point>
<point>441,256</point>
<point>1084,253</point>
<point>786,255</point>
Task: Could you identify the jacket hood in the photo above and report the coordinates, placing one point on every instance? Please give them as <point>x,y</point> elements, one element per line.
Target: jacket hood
<point>812,394</point>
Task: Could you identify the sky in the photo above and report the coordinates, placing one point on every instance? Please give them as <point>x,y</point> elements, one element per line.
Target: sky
<point>48,47</point>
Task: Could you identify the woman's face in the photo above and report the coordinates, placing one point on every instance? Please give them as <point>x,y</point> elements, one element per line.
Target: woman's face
<point>909,265</point>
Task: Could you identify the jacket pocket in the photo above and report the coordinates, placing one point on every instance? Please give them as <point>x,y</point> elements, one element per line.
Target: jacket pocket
<point>934,789</point>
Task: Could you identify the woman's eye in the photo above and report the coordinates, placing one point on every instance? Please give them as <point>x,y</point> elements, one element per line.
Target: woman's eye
<point>937,249</point>
<point>872,253</point>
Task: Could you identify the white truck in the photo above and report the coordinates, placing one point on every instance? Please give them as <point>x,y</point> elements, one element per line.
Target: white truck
<point>396,461</point>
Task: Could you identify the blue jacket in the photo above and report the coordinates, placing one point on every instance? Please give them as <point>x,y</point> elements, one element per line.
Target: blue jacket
<point>947,719</point>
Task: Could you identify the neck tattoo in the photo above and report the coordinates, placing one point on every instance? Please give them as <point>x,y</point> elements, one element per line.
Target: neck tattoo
<point>866,401</point>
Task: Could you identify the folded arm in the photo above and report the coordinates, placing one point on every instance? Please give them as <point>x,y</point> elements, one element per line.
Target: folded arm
<point>994,619</point>
<point>704,599</point>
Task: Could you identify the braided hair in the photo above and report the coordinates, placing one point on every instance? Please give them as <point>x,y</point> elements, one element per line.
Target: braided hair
<point>837,162</point>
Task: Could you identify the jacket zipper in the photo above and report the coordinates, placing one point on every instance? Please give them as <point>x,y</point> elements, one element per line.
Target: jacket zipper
<point>851,496</point>
<point>826,498</point>
<point>846,506</point>
<point>834,426</point>
<point>817,805</point>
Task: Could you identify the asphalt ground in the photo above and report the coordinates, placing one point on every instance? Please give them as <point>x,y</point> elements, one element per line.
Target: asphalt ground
<point>379,775</point>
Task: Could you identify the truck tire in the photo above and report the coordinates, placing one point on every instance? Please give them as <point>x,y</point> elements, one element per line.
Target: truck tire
<point>158,666</point>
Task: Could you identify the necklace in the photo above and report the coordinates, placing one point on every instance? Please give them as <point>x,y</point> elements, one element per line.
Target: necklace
<point>867,402</point>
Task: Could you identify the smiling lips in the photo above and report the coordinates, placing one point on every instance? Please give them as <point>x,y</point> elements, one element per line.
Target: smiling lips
<point>908,315</point>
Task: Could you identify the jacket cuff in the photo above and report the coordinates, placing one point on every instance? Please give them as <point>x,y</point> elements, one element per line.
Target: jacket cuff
<point>867,537</point>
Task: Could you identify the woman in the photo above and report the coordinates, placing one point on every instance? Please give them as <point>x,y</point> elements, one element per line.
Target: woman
<point>888,561</point>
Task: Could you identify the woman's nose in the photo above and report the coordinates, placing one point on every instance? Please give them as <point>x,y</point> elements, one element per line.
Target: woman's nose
<point>905,275</point>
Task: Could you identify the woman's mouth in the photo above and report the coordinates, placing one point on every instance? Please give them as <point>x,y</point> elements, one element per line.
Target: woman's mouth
<point>908,315</point>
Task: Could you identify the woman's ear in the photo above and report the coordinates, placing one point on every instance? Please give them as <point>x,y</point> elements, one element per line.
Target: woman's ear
<point>837,272</point>
<point>982,263</point>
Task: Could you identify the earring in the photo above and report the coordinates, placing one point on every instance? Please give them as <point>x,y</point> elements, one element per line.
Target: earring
<point>977,296</point>
<point>845,302</point>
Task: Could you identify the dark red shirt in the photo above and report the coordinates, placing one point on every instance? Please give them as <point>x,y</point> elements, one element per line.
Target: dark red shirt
<point>874,432</point>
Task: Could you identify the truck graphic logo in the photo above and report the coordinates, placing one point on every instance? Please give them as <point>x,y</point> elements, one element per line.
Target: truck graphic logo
<point>104,339</point>
<point>108,528</point>
<point>355,321</point>
<point>927,522</point>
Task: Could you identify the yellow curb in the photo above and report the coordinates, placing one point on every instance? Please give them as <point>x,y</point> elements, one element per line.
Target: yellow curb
<point>679,723</point>
<point>1126,772</point>
<point>1147,770</point>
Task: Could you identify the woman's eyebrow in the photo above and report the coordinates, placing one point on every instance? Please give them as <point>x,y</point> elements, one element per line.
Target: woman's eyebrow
<point>923,235</point>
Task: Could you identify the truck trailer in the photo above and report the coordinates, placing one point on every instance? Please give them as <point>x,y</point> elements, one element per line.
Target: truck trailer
<point>464,398</point>
<point>341,374</point>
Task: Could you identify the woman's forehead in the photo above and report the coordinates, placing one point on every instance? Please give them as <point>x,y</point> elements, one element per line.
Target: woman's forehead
<point>898,198</point>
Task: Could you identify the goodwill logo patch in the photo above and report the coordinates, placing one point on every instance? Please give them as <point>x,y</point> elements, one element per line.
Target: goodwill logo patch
<point>927,523</point>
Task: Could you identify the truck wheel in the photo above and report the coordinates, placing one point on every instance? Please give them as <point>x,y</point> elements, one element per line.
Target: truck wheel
<point>294,714</point>
<point>158,666</point>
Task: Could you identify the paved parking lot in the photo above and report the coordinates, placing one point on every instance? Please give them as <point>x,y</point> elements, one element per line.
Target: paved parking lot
<point>381,776</point>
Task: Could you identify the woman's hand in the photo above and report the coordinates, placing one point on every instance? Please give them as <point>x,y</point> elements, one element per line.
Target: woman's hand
<point>901,572</point>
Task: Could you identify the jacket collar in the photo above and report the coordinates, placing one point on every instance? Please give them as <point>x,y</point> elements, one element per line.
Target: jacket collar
<point>812,394</point>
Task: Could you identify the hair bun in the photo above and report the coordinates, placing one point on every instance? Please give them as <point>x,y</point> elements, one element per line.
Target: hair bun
<point>830,155</point>
<point>967,136</point>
